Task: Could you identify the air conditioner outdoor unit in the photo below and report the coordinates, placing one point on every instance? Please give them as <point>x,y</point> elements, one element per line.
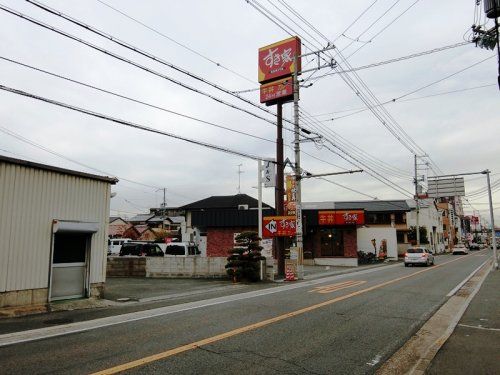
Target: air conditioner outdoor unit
<point>243,207</point>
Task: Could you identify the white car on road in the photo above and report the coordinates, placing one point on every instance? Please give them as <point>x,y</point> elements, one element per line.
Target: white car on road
<point>418,255</point>
<point>459,248</point>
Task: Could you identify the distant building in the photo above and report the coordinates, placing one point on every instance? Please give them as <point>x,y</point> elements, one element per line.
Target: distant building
<point>213,223</point>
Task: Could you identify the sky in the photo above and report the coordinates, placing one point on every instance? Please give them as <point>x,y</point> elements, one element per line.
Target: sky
<point>447,107</point>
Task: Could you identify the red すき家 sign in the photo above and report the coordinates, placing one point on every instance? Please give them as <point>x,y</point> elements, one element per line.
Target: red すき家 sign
<point>276,60</point>
<point>344,217</point>
<point>278,226</point>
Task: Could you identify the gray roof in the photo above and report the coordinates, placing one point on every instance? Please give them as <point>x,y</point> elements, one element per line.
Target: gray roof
<point>141,217</point>
<point>369,206</point>
<point>177,219</point>
<point>224,202</point>
<point>30,164</point>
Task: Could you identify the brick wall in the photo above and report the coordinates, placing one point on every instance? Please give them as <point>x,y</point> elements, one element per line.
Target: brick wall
<point>350,243</point>
<point>220,240</point>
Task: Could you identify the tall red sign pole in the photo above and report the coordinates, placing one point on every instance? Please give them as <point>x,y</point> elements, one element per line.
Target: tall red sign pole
<point>280,191</point>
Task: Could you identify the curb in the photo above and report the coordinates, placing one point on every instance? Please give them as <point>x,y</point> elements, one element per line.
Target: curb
<point>415,356</point>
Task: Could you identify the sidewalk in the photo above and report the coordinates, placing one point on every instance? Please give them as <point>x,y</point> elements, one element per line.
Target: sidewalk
<point>474,346</point>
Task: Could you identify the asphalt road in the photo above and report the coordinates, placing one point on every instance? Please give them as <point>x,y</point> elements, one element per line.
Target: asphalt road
<point>346,324</point>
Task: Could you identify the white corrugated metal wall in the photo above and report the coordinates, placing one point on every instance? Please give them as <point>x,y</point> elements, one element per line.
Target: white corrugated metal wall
<point>29,200</point>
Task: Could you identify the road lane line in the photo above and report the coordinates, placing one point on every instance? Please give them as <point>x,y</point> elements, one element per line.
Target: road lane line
<point>254,326</point>
<point>479,327</point>
<point>335,287</point>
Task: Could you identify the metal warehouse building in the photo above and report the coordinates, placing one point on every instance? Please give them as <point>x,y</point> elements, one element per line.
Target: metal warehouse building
<point>53,233</point>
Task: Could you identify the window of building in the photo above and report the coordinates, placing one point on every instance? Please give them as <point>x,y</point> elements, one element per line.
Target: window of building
<point>332,243</point>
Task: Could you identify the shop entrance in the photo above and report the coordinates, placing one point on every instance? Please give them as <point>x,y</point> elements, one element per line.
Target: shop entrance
<point>332,242</point>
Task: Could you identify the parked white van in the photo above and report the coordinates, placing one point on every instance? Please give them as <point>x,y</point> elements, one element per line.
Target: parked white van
<point>115,244</point>
<point>181,249</point>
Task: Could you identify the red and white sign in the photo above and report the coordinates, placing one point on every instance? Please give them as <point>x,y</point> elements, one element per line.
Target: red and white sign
<point>272,91</point>
<point>276,60</point>
<point>345,217</point>
<point>278,226</point>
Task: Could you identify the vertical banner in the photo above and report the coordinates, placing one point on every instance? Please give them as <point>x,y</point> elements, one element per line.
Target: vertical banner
<point>269,174</point>
<point>291,195</point>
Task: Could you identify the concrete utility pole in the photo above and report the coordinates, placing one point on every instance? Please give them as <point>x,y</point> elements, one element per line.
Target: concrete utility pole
<point>259,184</point>
<point>298,170</point>
<point>417,208</point>
<point>239,178</point>
<point>493,238</point>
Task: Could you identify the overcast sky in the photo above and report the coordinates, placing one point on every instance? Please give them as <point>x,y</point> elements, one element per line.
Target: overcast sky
<point>458,129</point>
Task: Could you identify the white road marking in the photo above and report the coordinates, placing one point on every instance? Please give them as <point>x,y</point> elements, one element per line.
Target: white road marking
<point>479,327</point>
<point>455,289</point>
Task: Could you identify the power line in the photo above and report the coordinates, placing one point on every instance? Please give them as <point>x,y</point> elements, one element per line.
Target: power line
<point>144,53</point>
<point>384,28</point>
<point>130,124</point>
<point>407,100</point>
<point>174,41</point>
<point>356,20</point>
<point>142,67</point>
<point>395,129</point>
<point>134,100</point>
<point>402,58</point>
<point>373,23</point>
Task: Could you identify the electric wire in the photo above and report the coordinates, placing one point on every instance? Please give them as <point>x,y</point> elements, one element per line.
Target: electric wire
<point>134,100</point>
<point>175,41</point>
<point>383,29</point>
<point>354,22</point>
<point>398,59</point>
<point>142,67</point>
<point>400,134</point>
<point>372,24</point>
<point>405,100</point>
<point>351,84</point>
<point>130,124</point>
<point>144,53</point>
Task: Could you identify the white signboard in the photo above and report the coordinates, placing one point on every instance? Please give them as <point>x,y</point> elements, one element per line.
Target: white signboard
<point>267,247</point>
<point>269,174</point>
<point>446,187</point>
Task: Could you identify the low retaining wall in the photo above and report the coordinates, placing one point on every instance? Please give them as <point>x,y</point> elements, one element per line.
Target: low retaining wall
<point>167,267</point>
<point>188,267</point>
<point>340,261</point>
<point>126,267</point>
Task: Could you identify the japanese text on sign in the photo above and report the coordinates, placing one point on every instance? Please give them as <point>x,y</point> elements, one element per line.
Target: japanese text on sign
<point>278,226</point>
<point>276,60</point>
<point>348,217</point>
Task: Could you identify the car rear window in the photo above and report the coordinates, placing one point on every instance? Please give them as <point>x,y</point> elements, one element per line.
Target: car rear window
<point>415,251</point>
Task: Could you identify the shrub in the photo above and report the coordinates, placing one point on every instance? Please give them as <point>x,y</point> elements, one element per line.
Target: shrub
<point>243,261</point>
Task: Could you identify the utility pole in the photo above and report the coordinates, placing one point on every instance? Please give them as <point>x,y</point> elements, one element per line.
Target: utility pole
<point>298,171</point>
<point>493,238</point>
<point>239,178</point>
<point>163,205</point>
<point>259,187</point>
<point>417,208</point>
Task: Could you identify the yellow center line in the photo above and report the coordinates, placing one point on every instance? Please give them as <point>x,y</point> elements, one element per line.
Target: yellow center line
<point>251,327</point>
<point>335,287</point>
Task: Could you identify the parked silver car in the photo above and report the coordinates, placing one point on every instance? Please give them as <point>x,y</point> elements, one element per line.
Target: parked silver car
<point>419,255</point>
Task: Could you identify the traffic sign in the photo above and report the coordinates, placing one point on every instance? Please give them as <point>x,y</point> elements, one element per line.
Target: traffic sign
<point>278,226</point>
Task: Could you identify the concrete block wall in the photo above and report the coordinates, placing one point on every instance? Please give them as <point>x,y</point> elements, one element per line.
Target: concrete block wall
<point>188,267</point>
<point>126,267</point>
